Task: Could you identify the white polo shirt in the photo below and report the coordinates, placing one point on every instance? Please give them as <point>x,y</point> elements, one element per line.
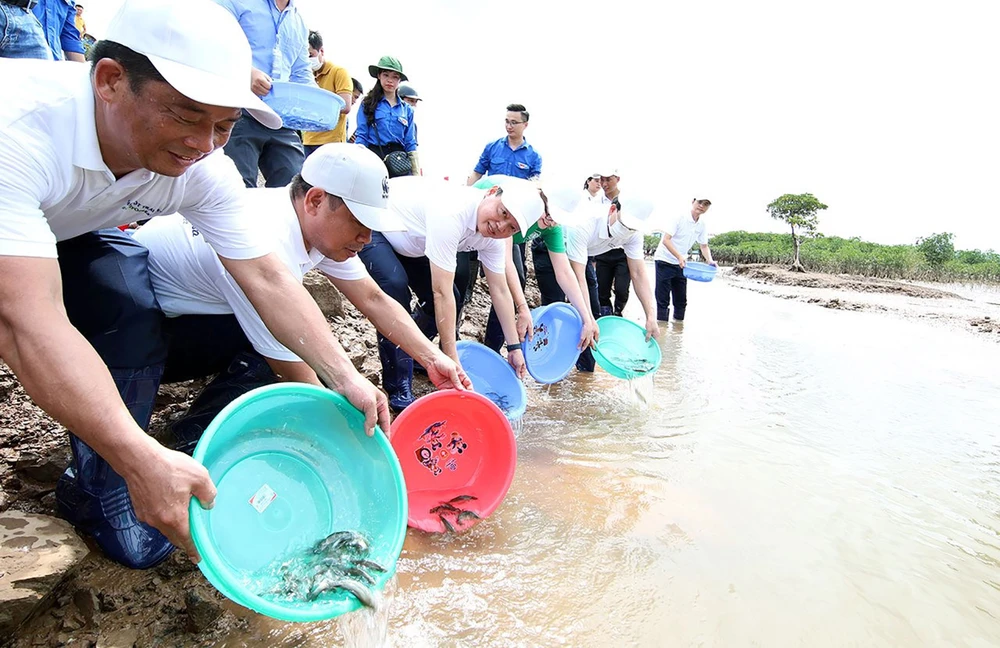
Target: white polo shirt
<point>54,184</point>
<point>440,220</point>
<point>189,279</point>
<point>590,237</point>
<point>684,232</point>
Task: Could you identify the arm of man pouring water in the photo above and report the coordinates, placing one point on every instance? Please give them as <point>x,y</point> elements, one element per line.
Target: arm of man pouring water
<point>295,320</point>
<point>64,376</point>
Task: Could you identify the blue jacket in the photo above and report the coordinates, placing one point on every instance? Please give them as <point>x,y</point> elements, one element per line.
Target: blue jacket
<point>58,18</point>
<point>499,159</point>
<point>393,124</point>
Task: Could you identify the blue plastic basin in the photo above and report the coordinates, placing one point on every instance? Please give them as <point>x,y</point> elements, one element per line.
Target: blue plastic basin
<point>305,108</point>
<point>552,351</point>
<point>293,464</point>
<point>699,271</point>
<point>493,377</point>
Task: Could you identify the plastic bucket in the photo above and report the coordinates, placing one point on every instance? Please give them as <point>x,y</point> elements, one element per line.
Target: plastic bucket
<point>304,107</point>
<point>552,351</point>
<point>699,271</point>
<point>292,464</point>
<point>453,444</point>
<point>622,349</point>
<point>493,377</point>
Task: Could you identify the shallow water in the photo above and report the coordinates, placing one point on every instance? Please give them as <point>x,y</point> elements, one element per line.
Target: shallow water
<point>792,475</point>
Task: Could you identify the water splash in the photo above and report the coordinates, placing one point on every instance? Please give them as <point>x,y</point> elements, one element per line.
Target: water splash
<point>517,425</point>
<point>369,628</point>
<point>639,391</point>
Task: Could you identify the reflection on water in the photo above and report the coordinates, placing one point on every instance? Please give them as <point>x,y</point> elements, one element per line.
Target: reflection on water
<point>792,475</point>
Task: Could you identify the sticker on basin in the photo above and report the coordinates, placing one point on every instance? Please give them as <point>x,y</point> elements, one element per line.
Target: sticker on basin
<point>263,498</point>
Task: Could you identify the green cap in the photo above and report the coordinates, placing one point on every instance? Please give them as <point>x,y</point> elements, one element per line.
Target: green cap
<point>387,63</point>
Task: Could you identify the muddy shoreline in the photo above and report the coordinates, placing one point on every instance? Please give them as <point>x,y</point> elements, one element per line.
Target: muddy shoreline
<point>857,293</point>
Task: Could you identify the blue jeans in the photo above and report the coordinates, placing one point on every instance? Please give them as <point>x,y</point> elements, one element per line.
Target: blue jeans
<point>670,282</point>
<point>21,34</point>
<point>278,153</point>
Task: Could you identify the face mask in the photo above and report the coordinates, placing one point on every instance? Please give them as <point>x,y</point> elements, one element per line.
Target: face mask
<point>315,63</point>
<point>617,230</point>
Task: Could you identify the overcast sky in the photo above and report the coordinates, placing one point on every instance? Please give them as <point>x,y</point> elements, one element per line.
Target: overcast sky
<point>885,110</point>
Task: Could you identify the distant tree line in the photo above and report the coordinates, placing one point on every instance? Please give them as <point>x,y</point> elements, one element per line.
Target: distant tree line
<point>933,258</point>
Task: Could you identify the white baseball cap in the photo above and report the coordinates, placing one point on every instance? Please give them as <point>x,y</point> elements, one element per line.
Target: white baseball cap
<point>564,204</point>
<point>356,175</point>
<point>521,199</point>
<point>197,46</point>
<point>607,172</point>
<point>635,212</point>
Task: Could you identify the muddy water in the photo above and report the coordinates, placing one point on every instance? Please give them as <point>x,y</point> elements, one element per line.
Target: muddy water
<point>800,476</point>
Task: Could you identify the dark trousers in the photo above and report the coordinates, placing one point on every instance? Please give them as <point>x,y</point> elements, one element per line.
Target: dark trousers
<point>670,282</point>
<point>545,275</point>
<point>493,338</point>
<point>612,267</point>
<point>309,149</point>
<point>466,272</point>
<point>586,360</point>
<point>396,275</point>
<point>278,153</point>
<point>109,299</point>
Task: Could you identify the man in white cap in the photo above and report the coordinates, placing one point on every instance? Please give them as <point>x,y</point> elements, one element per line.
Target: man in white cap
<point>671,257</point>
<point>320,221</point>
<point>133,137</point>
<point>622,229</point>
<point>442,220</point>
<point>611,266</point>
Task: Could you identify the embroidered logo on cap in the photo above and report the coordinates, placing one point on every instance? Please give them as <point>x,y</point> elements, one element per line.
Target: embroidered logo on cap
<point>385,188</point>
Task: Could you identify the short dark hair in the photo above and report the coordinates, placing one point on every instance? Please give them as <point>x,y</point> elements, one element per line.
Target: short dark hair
<point>518,108</point>
<point>315,40</point>
<point>299,188</point>
<point>357,85</point>
<point>139,68</point>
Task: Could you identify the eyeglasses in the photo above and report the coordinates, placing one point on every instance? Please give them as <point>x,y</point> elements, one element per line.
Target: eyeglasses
<point>508,122</point>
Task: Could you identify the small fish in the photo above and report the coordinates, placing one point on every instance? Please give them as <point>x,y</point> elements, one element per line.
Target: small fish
<point>360,592</point>
<point>447,524</point>
<point>341,540</point>
<point>360,574</point>
<point>329,584</point>
<point>371,565</point>
<point>462,498</point>
<point>445,507</point>
<point>466,515</point>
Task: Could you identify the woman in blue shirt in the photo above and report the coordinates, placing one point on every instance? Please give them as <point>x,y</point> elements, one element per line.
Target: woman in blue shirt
<point>385,123</point>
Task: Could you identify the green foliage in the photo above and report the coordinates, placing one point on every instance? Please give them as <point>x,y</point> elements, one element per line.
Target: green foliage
<point>649,243</point>
<point>938,249</point>
<point>853,256</point>
<point>798,210</point>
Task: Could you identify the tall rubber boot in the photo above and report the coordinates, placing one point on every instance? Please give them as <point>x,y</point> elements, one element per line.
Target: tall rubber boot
<point>95,499</point>
<point>247,371</point>
<point>387,356</point>
<point>403,396</point>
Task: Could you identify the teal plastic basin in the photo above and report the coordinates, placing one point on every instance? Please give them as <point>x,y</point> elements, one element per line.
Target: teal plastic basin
<point>622,349</point>
<point>292,464</point>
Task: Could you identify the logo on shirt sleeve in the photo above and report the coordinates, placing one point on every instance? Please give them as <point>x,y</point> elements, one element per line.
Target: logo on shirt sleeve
<point>522,165</point>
